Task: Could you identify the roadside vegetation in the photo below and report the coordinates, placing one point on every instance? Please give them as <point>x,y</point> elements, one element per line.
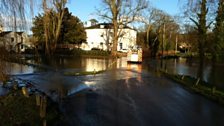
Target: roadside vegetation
<point>83,73</point>
<point>91,53</point>
<point>198,86</point>
<point>198,30</point>
<point>17,109</point>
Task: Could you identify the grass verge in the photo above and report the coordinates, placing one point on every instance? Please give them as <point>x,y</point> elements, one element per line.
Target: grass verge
<point>16,109</point>
<point>201,87</point>
<point>83,73</point>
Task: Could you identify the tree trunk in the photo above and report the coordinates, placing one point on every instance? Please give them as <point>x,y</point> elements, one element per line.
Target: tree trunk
<point>201,63</point>
<point>202,29</point>
<point>115,39</point>
<point>115,12</point>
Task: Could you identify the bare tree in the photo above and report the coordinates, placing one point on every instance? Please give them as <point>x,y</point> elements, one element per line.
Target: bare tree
<point>107,38</point>
<point>163,24</point>
<point>152,20</point>
<point>15,12</point>
<point>121,13</point>
<point>54,12</point>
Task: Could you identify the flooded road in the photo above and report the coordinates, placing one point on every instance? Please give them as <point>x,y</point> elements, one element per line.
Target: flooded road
<point>126,95</point>
<point>128,98</point>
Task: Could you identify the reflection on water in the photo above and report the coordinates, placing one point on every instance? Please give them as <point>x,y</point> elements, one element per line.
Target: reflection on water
<point>76,89</point>
<point>89,83</point>
<point>185,66</point>
<point>83,64</point>
<point>181,66</point>
<point>94,64</point>
<point>137,68</point>
<point>14,68</point>
<point>91,64</point>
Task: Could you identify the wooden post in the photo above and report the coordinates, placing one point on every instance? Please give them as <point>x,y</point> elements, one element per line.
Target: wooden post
<point>182,77</point>
<point>38,98</point>
<point>44,122</point>
<point>43,106</point>
<point>213,90</point>
<point>197,82</point>
<point>25,91</point>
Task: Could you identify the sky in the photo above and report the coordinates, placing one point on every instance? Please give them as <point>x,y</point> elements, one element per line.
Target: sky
<point>85,9</point>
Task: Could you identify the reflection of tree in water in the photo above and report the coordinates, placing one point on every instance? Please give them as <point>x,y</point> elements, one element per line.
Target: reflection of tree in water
<point>189,60</point>
<point>58,86</point>
<point>213,75</point>
<point>62,91</point>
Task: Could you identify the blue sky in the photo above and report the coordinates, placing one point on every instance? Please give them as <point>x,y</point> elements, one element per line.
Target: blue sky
<point>85,9</point>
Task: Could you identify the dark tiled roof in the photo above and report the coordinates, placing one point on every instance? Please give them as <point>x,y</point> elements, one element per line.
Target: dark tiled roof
<point>4,33</point>
<point>106,26</point>
<point>20,33</point>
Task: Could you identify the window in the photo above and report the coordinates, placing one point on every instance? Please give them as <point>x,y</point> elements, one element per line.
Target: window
<point>121,44</point>
<point>21,46</point>
<point>12,39</point>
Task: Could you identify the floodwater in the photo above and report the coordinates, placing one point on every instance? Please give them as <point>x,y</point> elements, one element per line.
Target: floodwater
<point>124,95</point>
<point>176,66</point>
<point>182,66</point>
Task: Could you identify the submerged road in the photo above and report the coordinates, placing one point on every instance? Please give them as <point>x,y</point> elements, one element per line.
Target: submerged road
<point>127,97</point>
<point>137,98</point>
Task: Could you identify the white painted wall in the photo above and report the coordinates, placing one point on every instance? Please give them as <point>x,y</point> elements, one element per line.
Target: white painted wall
<point>101,38</point>
<point>97,38</point>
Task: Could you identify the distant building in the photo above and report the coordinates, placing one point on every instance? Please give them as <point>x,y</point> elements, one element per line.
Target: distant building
<point>1,28</point>
<point>91,22</point>
<point>14,41</point>
<point>99,36</point>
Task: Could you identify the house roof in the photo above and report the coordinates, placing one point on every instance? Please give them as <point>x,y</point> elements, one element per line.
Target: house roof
<point>20,33</point>
<point>105,26</point>
<point>4,33</point>
<point>7,32</point>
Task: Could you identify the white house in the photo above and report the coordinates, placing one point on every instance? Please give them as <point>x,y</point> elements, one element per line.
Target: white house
<point>99,36</point>
<point>14,41</point>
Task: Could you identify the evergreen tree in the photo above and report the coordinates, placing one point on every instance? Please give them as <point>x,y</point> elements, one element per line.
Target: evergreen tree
<point>202,34</point>
<point>72,29</point>
<point>218,43</point>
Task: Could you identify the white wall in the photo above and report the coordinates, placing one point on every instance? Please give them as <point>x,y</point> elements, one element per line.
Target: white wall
<point>128,40</point>
<point>99,38</point>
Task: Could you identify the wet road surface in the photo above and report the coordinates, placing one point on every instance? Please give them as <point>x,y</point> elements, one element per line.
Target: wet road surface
<point>3,91</point>
<point>124,97</point>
